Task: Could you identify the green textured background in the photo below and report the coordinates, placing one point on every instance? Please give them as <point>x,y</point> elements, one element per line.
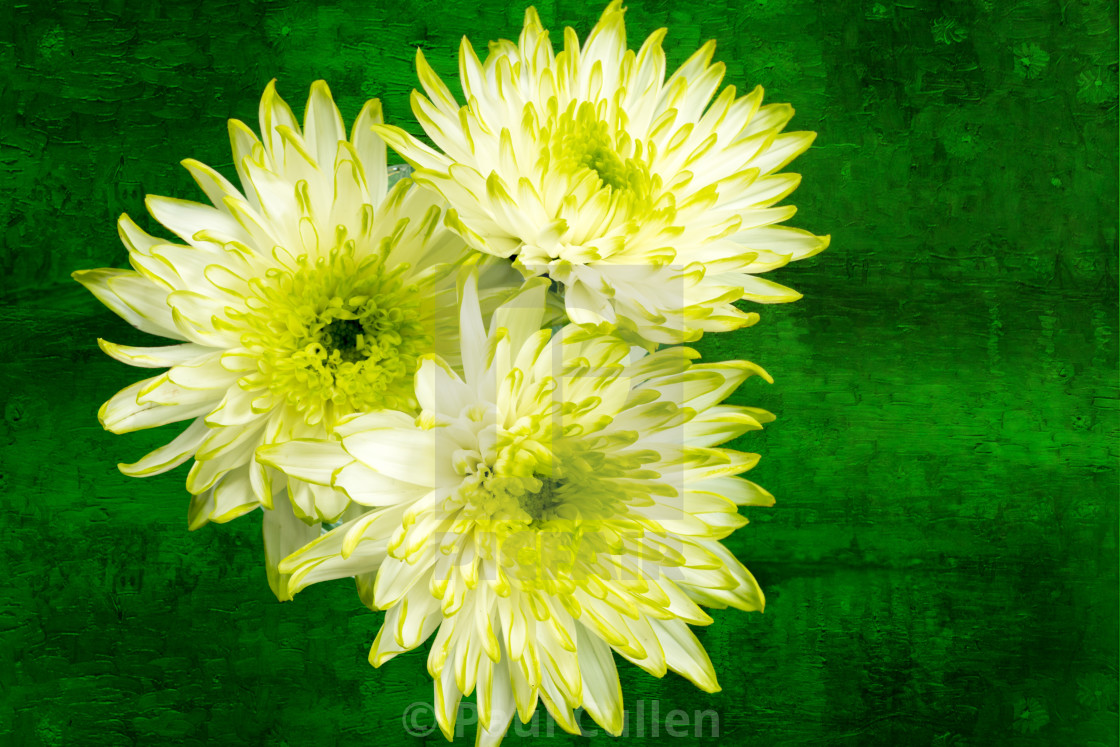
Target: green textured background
<point>941,565</point>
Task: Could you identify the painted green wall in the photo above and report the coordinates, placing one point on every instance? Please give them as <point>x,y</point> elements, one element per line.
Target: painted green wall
<point>941,565</point>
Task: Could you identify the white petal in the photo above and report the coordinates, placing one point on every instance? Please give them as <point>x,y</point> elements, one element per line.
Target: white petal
<point>497,695</point>
<point>406,626</point>
<point>684,654</point>
<point>406,455</point>
<point>283,535</point>
<point>784,149</point>
<point>602,694</point>
<point>134,298</point>
<point>362,485</point>
<point>134,237</point>
<point>734,373</point>
<point>161,357</point>
<point>472,335</point>
<point>737,490</point>
<point>216,186</point>
<point>311,460</point>
<point>447,697</point>
<point>394,580</point>
<point>233,496</point>
<point>322,124</point>
<point>187,219</point>
<point>440,390</point>
<point>371,150</point>
<point>274,114</point>
<point>316,563</point>
<point>236,408</point>
<point>793,242</point>
<point>170,456</point>
<point>122,413</point>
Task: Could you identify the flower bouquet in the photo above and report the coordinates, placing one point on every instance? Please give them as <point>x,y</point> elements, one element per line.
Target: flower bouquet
<point>468,388</point>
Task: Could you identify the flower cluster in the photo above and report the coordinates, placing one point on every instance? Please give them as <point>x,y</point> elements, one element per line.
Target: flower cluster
<point>470,390</point>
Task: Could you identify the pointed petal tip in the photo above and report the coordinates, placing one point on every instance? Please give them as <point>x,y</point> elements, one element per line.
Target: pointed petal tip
<point>615,6</point>
<point>374,110</point>
<point>388,132</point>
<point>95,276</point>
<point>102,417</point>
<point>233,124</point>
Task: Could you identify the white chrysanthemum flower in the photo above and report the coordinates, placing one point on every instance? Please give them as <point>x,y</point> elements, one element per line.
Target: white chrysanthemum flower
<point>564,498</point>
<point>651,203</point>
<point>307,297</point>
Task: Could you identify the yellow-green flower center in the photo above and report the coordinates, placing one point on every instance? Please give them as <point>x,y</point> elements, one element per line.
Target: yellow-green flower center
<point>580,139</point>
<point>546,513</point>
<point>541,505</point>
<point>337,335</point>
<point>346,336</point>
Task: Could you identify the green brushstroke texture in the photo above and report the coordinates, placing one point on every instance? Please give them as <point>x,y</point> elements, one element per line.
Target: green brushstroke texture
<point>941,565</point>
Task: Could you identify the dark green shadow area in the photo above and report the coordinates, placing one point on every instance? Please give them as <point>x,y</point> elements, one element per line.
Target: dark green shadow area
<point>941,565</point>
